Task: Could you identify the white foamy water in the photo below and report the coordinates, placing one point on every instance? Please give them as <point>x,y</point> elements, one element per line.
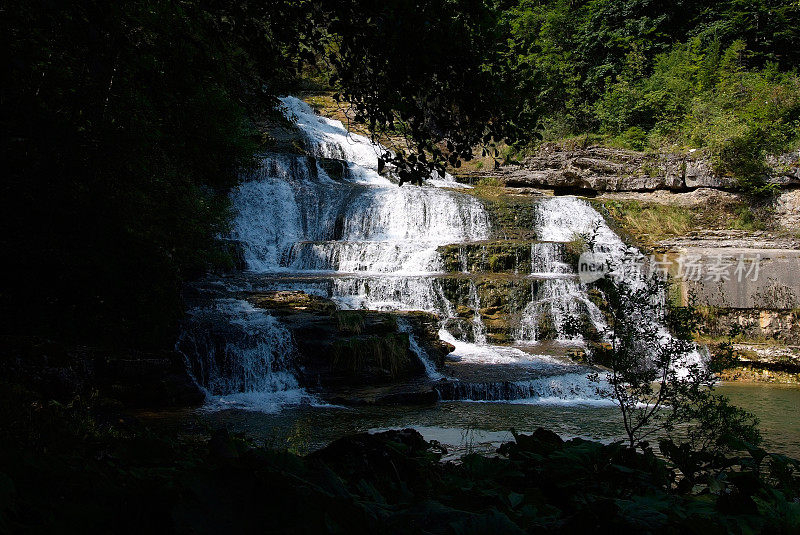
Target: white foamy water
<point>305,224</point>
<point>481,353</point>
<point>370,244</point>
<point>241,356</point>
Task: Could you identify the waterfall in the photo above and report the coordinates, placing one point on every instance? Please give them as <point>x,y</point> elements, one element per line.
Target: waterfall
<point>241,356</point>
<point>559,221</point>
<point>351,234</point>
<point>564,219</point>
<point>547,260</point>
<point>430,368</point>
<point>328,138</point>
<point>306,225</point>
<point>478,330</point>
<point>565,388</point>
<point>291,218</point>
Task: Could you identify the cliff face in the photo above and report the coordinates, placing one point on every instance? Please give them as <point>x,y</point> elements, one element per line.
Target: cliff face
<point>601,169</point>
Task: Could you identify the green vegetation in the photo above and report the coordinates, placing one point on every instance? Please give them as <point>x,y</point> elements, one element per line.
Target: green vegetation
<point>700,96</point>
<point>349,321</point>
<point>713,75</point>
<point>651,222</point>
<point>125,124</point>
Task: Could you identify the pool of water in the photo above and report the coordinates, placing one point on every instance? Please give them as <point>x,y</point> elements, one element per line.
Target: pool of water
<point>473,426</point>
<point>778,410</point>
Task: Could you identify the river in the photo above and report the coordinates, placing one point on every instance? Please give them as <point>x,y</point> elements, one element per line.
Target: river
<point>471,426</point>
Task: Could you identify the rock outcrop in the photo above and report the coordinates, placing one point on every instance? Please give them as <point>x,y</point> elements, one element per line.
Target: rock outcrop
<point>117,377</point>
<point>355,348</point>
<point>603,169</point>
<point>787,210</point>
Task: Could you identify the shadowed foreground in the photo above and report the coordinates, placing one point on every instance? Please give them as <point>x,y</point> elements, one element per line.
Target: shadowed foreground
<point>74,470</point>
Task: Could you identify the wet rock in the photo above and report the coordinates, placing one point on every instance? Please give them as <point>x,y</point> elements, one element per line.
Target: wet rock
<point>352,347</point>
<point>425,327</point>
<point>328,356</point>
<point>494,257</point>
<point>335,169</point>
<point>422,397</point>
<point>292,301</point>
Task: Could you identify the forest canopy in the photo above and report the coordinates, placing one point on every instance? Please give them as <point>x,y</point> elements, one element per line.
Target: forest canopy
<point>125,124</point>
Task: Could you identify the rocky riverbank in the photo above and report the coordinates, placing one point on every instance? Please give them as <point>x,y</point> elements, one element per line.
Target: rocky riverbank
<point>92,476</point>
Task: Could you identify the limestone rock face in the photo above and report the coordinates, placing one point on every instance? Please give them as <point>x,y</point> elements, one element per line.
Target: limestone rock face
<point>603,169</point>
<point>786,169</point>
<point>787,209</point>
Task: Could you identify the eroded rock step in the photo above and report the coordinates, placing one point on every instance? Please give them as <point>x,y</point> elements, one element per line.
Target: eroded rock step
<point>537,257</point>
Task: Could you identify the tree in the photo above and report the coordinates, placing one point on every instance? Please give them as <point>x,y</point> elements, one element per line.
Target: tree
<point>122,127</point>
<point>438,72</point>
<point>652,369</point>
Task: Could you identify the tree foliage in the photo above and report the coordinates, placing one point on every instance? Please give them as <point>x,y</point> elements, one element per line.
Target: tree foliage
<point>439,72</point>
<point>124,124</point>
<point>653,74</point>
<point>652,369</point>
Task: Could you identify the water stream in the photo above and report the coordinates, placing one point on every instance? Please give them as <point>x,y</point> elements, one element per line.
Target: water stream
<point>366,243</point>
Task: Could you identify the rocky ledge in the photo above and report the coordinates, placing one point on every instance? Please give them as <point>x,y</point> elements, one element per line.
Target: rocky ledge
<point>603,169</point>
<point>358,356</point>
<point>116,377</point>
<point>765,363</point>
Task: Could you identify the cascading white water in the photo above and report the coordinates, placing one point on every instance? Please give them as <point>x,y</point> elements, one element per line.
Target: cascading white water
<point>430,368</point>
<point>547,260</point>
<point>384,236</point>
<point>241,356</point>
<point>304,224</point>
<point>478,330</point>
<point>567,218</point>
<point>563,388</point>
<point>367,243</point>
<point>553,303</point>
<point>558,221</point>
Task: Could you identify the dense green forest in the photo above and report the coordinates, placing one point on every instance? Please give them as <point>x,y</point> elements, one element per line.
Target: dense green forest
<point>667,75</point>
<point>125,124</point>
